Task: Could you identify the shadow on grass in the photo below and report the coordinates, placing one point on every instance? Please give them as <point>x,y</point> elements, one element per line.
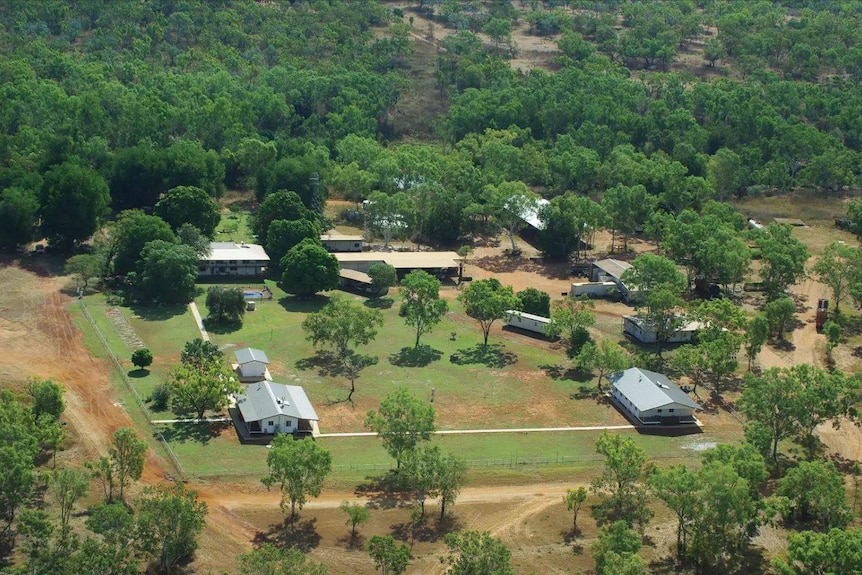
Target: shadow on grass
<point>198,431</point>
<point>379,302</point>
<point>559,372</point>
<point>138,373</point>
<point>158,312</point>
<point>222,327</point>
<point>588,392</point>
<point>491,355</point>
<point>325,362</point>
<point>303,305</point>
<point>297,534</point>
<point>415,356</point>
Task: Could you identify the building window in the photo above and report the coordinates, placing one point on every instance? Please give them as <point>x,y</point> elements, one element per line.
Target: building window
<point>670,410</point>
<point>287,424</point>
<point>270,423</point>
<point>660,411</point>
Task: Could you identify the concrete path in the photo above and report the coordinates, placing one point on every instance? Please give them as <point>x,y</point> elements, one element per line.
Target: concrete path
<point>477,431</point>
<point>204,420</point>
<point>204,335</point>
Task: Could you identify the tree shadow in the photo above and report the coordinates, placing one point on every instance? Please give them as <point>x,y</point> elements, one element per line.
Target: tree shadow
<point>379,302</point>
<point>783,344</point>
<point>303,305</point>
<point>193,430</point>
<point>588,392</point>
<point>559,372</point>
<point>570,537</point>
<point>222,327</point>
<point>138,373</point>
<point>663,566</point>
<point>158,312</point>
<point>491,355</point>
<point>357,541</point>
<point>512,263</point>
<point>297,534</point>
<point>384,492</point>
<point>325,362</point>
<point>428,530</point>
<point>415,356</point>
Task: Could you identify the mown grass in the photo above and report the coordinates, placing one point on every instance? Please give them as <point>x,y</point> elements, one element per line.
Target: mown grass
<point>472,386</point>
<point>235,227</point>
<point>509,385</point>
<point>213,450</point>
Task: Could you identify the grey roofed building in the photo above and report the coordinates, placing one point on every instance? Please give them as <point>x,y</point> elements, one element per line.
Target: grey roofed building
<point>266,399</point>
<point>651,397</point>
<point>250,354</point>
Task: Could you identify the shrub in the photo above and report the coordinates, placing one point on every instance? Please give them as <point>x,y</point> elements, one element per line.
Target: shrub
<point>160,396</point>
<point>142,358</point>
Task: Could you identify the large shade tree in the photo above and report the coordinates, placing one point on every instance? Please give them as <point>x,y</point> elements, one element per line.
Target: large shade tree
<point>421,306</point>
<point>74,202</point>
<point>308,268</point>
<point>486,301</point>
<point>189,205</point>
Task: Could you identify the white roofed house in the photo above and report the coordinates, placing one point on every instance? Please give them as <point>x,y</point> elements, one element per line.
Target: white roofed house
<point>269,408</point>
<point>650,398</point>
<point>251,365</point>
<point>230,259</point>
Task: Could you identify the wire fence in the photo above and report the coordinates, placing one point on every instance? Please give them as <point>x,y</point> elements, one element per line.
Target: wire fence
<point>143,406</point>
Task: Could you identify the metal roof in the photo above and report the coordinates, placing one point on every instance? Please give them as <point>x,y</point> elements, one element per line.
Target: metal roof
<point>405,260</point>
<point>355,276</point>
<point>646,325</point>
<point>337,237</point>
<point>221,251</point>
<point>250,354</point>
<point>515,313</point>
<point>267,399</point>
<point>649,390</point>
<point>612,267</point>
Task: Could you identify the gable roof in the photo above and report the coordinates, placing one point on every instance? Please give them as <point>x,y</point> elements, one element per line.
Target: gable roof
<point>612,267</point>
<point>267,399</point>
<point>250,354</point>
<point>649,390</point>
<point>510,313</point>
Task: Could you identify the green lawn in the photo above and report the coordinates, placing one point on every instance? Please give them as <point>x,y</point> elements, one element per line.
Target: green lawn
<point>512,386</point>
<point>211,450</point>
<point>234,227</point>
<point>163,329</point>
<point>508,386</point>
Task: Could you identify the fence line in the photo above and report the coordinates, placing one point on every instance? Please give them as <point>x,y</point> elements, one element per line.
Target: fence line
<point>502,462</point>
<point>119,367</point>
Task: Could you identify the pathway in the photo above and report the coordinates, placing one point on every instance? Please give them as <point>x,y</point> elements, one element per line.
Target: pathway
<point>476,431</point>
<point>204,335</point>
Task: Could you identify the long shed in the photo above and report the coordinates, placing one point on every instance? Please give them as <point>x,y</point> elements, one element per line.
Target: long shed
<point>527,321</point>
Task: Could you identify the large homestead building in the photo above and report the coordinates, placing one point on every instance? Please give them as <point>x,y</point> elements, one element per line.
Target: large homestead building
<point>440,264</point>
<point>650,398</point>
<point>231,259</point>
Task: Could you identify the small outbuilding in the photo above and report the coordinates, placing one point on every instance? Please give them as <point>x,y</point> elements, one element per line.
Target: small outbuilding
<point>645,332</point>
<point>651,398</point>
<point>611,270</point>
<point>269,408</point>
<point>251,365</point>
<point>527,321</point>
<point>342,243</point>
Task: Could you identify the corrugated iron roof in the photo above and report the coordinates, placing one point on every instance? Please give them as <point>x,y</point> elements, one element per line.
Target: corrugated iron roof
<point>649,390</point>
<point>249,354</point>
<point>267,399</point>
